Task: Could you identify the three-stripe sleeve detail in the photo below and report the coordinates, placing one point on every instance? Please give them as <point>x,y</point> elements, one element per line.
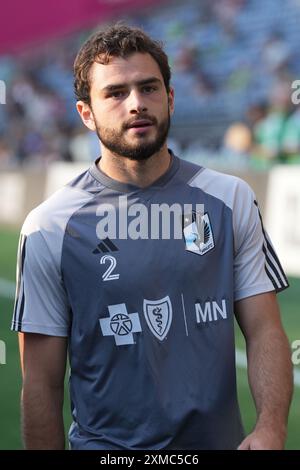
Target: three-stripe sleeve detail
<point>272,264</point>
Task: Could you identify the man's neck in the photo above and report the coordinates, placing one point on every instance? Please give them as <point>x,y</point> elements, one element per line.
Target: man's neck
<point>139,173</point>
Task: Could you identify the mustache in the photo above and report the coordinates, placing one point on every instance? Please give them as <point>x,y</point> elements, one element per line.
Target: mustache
<point>152,119</point>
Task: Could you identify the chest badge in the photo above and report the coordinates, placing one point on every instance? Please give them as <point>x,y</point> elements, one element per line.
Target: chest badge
<point>198,234</point>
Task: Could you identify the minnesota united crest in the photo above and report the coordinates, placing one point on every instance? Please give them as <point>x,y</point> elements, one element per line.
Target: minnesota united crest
<point>158,314</point>
<point>198,233</point>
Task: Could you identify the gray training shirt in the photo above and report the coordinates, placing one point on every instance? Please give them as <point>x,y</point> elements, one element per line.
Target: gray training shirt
<point>149,321</point>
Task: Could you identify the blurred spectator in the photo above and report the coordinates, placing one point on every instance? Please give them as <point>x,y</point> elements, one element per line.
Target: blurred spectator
<point>276,52</point>
<point>291,138</point>
<point>270,132</point>
<point>187,59</point>
<point>226,12</point>
<point>237,146</point>
<point>7,159</point>
<point>256,113</point>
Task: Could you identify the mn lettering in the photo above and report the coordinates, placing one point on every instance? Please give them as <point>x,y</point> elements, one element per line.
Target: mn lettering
<point>210,311</point>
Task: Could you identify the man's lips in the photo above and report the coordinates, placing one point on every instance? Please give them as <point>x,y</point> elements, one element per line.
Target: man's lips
<point>140,123</point>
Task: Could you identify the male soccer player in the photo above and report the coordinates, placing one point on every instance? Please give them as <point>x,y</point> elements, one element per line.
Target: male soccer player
<point>148,321</point>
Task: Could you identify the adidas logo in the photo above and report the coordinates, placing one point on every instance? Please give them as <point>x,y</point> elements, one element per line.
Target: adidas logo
<point>105,246</point>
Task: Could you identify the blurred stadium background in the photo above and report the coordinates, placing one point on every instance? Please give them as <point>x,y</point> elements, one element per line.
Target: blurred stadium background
<point>233,63</point>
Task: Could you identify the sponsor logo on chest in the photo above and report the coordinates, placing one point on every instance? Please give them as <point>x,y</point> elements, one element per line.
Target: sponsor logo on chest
<point>159,318</point>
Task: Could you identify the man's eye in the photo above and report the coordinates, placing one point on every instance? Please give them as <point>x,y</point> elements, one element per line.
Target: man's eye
<point>149,88</point>
<point>117,94</point>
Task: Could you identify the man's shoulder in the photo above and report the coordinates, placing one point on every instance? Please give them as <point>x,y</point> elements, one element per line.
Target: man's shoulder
<point>223,186</point>
<point>55,211</point>
<point>198,171</point>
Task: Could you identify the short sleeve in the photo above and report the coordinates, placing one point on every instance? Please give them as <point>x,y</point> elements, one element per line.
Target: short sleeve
<point>257,268</point>
<point>41,304</point>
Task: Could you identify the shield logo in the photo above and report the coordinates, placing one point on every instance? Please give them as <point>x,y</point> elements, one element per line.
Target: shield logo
<point>158,314</point>
<point>198,233</point>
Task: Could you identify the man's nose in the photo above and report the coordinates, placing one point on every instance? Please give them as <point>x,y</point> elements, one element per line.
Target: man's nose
<point>136,102</point>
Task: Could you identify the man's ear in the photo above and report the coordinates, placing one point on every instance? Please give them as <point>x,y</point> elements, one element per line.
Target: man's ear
<point>86,114</point>
<point>171,100</point>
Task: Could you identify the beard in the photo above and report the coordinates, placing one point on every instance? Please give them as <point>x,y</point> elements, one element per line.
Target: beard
<point>116,141</point>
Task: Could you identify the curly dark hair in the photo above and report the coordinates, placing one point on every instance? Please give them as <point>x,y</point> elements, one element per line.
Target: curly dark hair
<point>115,41</point>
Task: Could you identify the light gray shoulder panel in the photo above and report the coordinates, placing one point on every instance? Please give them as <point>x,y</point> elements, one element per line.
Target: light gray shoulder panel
<point>41,304</point>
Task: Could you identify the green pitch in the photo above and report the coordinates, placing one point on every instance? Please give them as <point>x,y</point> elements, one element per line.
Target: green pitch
<point>10,381</point>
